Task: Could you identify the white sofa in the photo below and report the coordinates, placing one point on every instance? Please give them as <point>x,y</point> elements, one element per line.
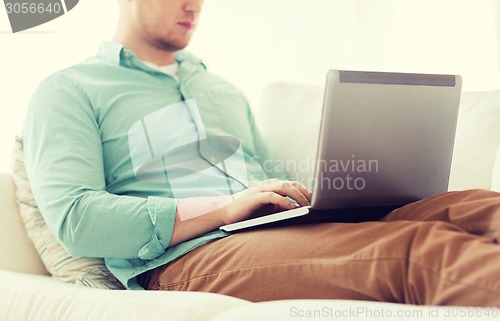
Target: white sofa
<point>28,293</point>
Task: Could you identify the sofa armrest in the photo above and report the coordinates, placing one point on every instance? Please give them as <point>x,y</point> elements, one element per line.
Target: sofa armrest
<point>17,252</point>
<point>36,297</point>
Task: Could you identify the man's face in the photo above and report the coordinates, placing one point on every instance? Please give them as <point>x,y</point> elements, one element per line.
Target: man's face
<point>166,24</point>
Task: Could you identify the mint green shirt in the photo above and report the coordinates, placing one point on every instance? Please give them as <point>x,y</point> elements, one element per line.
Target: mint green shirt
<point>111,144</point>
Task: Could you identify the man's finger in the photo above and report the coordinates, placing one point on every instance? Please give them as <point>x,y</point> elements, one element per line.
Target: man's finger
<point>276,199</point>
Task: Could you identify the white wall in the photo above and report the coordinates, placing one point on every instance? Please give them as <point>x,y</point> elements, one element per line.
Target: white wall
<point>260,41</point>
<point>27,57</point>
<point>254,43</point>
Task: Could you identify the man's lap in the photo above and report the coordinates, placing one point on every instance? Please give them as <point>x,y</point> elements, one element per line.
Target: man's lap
<point>371,260</point>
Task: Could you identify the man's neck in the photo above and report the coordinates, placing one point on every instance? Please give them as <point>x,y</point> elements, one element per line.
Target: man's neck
<point>154,55</point>
<point>146,51</point>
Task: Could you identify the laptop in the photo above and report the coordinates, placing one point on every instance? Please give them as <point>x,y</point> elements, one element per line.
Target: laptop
<point>386,140</point>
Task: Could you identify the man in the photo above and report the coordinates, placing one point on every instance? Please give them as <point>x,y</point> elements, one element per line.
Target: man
<point>138,155</point>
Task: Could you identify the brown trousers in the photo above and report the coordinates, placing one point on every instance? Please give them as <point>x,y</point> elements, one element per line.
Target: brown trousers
<point>440,251</point>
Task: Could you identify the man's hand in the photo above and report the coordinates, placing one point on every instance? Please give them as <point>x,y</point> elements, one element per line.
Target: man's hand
<point>264,198</point>
<point>199,215</point>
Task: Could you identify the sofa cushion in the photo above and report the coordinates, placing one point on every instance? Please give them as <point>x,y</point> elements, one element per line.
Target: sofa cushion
<point>61,265</point>
<point>495,176</point>
<point>297,127</point>
<point>477,140</point>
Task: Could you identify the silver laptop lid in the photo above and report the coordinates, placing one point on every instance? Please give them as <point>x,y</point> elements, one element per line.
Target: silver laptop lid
<point>385,139</point>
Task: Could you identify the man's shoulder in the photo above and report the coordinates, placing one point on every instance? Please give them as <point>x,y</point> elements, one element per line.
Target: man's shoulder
<point>73,73</point>
<point>87,78</point>
<point>69,82</point>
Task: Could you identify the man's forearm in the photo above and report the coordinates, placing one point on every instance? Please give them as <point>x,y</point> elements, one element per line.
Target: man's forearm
<point>198,215</point>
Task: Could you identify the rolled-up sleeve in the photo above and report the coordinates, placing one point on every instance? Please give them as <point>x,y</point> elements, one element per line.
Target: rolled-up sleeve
<point>64,160</point>
<point>163,227</point>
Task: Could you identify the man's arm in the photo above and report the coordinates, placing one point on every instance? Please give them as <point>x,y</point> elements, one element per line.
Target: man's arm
<point>63,153</point>
<point>64,160</point>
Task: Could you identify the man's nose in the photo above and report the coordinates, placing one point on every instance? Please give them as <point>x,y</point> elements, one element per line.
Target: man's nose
<point>193,5</point>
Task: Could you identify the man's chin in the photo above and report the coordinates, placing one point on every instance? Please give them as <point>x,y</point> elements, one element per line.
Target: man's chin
<point>174,45</point>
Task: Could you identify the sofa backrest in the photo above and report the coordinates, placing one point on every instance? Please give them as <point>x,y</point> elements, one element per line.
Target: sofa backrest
<point>17,252</point>
<point>292,137</point>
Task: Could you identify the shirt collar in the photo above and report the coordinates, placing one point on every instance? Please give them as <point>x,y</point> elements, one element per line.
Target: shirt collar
<point>115,53</point>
